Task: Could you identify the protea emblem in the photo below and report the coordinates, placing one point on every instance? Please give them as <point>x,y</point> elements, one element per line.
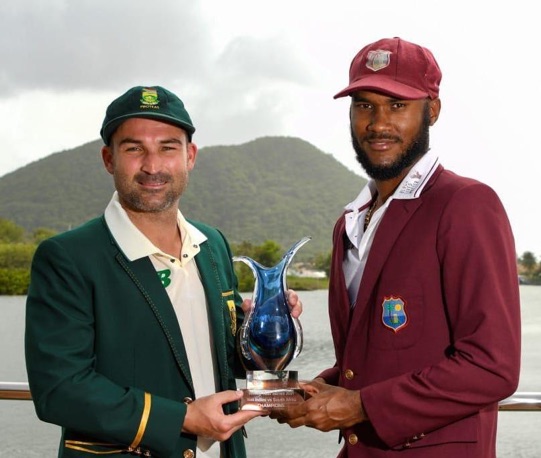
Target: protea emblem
<point>149,96</point>
<point>376,60</point>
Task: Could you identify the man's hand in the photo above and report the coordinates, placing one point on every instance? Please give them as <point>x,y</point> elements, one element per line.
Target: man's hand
<point>295,304</point>
<point>205,416</point>
<point>328,408</point>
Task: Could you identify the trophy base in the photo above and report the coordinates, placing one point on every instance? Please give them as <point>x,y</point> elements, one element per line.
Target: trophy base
<point>271,390</point>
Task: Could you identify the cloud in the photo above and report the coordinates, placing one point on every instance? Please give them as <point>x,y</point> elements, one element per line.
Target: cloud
<point>99,44</point>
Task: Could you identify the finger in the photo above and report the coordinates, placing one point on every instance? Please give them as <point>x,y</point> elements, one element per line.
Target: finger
<point>295,304</point>
<point>244,416</point>
<point>246,305</point>
<point>224,397</point>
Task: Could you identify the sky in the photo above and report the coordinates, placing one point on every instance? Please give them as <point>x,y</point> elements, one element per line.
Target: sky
<point>247,69</point>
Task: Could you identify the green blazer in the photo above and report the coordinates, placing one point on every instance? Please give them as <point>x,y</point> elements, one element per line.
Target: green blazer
<point>104,352</point>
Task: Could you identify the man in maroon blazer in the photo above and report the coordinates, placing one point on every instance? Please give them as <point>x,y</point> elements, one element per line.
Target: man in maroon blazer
<point>423,295</point>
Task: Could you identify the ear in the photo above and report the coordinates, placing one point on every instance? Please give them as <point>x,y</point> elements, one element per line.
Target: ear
<point>191,155</point>
<point>435,107</point>
<point>107,157</point>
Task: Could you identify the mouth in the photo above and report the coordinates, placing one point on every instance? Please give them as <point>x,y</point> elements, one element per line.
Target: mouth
<point>381,145</point>
<point>152,181</point>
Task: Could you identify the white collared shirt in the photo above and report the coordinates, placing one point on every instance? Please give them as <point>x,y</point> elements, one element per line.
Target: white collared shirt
<point>355,258</point>
<point>181,279</point>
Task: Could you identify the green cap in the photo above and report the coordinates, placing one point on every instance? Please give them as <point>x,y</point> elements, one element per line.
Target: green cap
<point>153,102</point>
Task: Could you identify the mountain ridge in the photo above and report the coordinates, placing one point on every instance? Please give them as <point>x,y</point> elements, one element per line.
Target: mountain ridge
<point>270,188</point>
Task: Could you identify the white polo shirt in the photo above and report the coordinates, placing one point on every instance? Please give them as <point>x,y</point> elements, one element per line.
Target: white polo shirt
<point>180,278</point>
<point>409,188</point>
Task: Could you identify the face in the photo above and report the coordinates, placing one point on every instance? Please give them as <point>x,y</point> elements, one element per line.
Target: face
<point>149,161</point>
<point>390,135</point>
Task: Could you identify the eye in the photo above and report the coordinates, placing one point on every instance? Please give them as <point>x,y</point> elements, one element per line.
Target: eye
<point>362,105</point>
<point>170,148</point>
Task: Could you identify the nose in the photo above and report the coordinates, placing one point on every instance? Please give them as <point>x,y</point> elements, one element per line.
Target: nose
<point>151,162</point>
<point>379,120</point>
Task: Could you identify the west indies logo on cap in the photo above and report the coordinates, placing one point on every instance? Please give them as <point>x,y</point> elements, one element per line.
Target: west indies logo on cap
<point>149,97</point>
<point>378,59</point>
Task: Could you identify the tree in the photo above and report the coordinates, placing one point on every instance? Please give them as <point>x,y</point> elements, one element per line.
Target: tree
<point>528,262</point>
<point>268,254</point>
<point>323,262</point>
<point>42,233</point>
<point>10,232</point>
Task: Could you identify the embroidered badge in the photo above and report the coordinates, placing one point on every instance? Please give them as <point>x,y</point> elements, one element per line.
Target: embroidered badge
<point>149,97</point>
<point>233,314</point>
<point>394,313</point>
<point>165,277</point>
<point>378,59</point>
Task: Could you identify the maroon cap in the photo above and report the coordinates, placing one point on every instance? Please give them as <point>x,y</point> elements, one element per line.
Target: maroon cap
<point>395,67</point>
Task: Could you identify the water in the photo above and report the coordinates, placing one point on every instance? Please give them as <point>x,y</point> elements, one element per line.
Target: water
<point>22,435</point>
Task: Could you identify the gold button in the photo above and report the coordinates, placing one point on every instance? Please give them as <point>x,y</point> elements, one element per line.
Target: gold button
<point>349,374</point>
<point>187,400</point>
<point>353,439</point>
<point>188,453</point>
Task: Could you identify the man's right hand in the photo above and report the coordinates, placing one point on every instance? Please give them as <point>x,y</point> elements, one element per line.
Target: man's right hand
<point>205,416</point>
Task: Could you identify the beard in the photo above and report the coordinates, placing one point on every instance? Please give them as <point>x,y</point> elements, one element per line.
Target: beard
<point>409,156</point>
<point>149,201</point>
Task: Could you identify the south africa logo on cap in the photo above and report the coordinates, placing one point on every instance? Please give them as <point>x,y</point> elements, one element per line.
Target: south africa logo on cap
<point>149,96</point>
<point>394,313</point>
<point>378,59</point>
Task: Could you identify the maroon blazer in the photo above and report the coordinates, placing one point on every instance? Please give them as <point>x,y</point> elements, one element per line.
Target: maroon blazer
<point>433,342</point>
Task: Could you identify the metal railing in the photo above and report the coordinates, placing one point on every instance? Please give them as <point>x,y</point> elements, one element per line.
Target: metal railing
<point>518,402</point>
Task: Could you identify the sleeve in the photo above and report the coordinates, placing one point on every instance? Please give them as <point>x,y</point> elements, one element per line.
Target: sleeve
<point>480,292</point>
<point>60,359</point>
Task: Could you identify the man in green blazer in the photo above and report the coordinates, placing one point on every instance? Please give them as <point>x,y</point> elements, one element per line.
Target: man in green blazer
<point>132,318</point>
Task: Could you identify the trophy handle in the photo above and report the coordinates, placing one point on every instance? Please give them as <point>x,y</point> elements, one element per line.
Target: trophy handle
<point>255,267</point>
<point>286,259</point>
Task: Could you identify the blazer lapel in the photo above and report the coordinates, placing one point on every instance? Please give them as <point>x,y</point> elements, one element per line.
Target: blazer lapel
<point>145,279</point>
<point>210,277</point>
<point>392,224</point>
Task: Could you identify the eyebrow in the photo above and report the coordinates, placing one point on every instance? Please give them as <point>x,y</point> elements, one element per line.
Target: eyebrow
<point>139,142</point>
<point>391,99</point>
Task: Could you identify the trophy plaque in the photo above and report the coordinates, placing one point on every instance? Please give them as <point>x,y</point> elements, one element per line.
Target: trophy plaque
<point>270,338</point>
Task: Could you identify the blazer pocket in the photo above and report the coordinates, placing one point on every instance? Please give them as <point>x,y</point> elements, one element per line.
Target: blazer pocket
<point>397,322</point>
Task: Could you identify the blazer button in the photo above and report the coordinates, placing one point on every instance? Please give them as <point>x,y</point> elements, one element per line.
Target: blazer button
<point>353,439</point>
<point>188,453</point>
<point>349,374</point>
<point>187,400</point>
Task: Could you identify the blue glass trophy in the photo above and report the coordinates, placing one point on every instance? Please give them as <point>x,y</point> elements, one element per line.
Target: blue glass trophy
<point>270,338</point>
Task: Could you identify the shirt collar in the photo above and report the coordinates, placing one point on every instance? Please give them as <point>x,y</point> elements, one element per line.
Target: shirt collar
<point>409,188</point>
<point>136,245</point>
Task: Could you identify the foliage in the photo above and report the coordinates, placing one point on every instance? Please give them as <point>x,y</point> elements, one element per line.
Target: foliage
<point>14,281</point>
<point>529,268</point>
<point>323,262</point>
<point>307,284</point>
<point>10,232</point>
<point>16,256</point>
<point>42,233</point>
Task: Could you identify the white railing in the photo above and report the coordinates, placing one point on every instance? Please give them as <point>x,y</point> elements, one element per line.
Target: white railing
<point>520,401</point>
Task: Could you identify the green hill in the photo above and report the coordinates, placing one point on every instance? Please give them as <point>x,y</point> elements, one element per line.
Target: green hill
<point>277,188</point>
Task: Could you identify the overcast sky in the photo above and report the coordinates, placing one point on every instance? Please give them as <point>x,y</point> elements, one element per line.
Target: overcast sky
<point>247,69</point>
